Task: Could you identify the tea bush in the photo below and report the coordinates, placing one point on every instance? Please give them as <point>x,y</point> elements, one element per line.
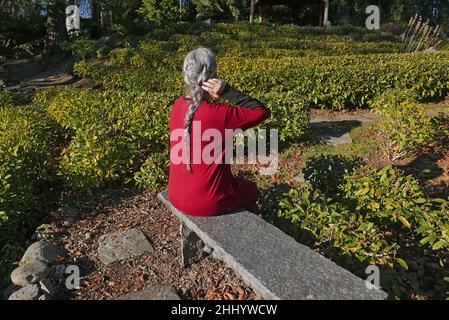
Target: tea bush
<point>374,219</point>
<point>25,163</point>
<point>111,132</point>
<point>407,130</point>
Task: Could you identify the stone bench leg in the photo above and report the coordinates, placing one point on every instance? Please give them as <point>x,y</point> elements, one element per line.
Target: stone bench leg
<point>193,248</point>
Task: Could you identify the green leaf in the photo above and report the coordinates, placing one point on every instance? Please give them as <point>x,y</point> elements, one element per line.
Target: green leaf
<point>402,263</point>
<point>405,222</point>
<point>438,245</point>
<point>362,192</point>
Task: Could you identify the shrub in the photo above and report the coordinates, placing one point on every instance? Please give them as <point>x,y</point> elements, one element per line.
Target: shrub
<point>290,115</point>
<point>8,99</point>
<point>386,195</point>
<point>25,163</point>
<point>160,12</point>
<point>326,172</point>
<point>97,157</point>
<point>375,219</point>
<point>154,171</point>
<point>111,132</point>
<point>392,100</point>
<point>407,130</point>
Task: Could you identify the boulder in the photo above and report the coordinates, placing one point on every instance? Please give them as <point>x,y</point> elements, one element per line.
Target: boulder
<point>31,292</point>
<point>122,245</point>
<point>42,251</point>
<point>30,273</point>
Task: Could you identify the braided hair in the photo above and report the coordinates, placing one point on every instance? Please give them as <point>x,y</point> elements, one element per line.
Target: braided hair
<point>199,66</point>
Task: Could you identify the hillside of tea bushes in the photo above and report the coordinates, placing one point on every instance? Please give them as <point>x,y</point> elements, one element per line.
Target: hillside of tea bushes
<point>86,139</point>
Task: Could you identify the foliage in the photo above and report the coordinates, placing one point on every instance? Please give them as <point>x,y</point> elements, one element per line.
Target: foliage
<point>8,100</point>
<point>96,157</point>
<point>81,47</point>
<point>154,171</point>
<point>161,12</point>
<point>407,130</point>
<point>260,59</point>
<point>25,162</point>
<point>325,173</point>
<point>374,219</point>
<point>110,132</point>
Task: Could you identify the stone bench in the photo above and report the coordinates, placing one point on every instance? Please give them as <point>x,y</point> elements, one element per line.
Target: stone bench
<point>268,260</point>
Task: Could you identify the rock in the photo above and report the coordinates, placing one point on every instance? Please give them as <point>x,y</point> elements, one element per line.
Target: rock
<point>9,290</point>
<point>431,49</point>
<point>192,247</point>
<point>30,273</point>
<point>42,251</point>
<point>336,140</point>
<point>31,292</point>
<point>57,271</point>
<point>300,178</point>
<point>154,293</point>
<point>47,287</point>
<point>122,245</point>
<point>43,232</point>
<point>68,215</point>
<point>271,262</point>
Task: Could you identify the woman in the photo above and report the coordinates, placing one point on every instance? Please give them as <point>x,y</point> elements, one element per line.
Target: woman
<point>200,188</point>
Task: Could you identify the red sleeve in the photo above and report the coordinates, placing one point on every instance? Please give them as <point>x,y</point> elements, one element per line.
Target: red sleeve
<point>237,117</point>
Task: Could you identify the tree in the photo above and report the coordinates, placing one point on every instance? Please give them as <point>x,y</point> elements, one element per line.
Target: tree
<point>56,31</point>
<point>161,11</point>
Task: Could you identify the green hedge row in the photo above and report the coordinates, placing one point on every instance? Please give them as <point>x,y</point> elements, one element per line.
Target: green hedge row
<point>25,164</point>
<point>374,217</point>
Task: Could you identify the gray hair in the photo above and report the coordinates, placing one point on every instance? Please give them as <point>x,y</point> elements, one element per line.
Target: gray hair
<point>199,66</point>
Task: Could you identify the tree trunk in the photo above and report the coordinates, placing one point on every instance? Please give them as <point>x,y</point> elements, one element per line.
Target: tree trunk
<point>326,13</point>
<point>252,12</point>
<point>96,18</point>
<point>56,29</point>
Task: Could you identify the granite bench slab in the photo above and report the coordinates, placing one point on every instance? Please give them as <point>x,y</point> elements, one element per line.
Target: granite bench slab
<point>274,264</point>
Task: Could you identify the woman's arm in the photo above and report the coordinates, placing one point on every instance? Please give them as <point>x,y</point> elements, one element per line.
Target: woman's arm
<point>246,112</point>
<point>238,98</point>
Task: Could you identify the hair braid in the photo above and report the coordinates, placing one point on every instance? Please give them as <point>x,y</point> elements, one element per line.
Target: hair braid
<point>199,66</point>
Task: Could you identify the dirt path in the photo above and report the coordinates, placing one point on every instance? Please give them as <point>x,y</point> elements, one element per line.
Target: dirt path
<point>122,209</point>
<point>27,76</point>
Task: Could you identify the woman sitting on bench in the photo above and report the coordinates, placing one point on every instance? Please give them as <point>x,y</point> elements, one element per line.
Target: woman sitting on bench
<point>202,188</point>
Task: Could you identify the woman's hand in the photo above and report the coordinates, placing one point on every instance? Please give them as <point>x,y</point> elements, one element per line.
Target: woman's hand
<point>212,87</point>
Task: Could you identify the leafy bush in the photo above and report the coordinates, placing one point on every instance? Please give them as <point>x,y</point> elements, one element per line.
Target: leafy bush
<point>25,162</point>
<point>154,171</point>
<point>96,157</point>
<point>407,130</point>
<point>290,115</point>
<point>375,218</point>
<point>393,99</point>
<point>326,172</point>
<point>8,99</point>
<point>111,132</point>
<point>160,11</point>
<point>81,47</point>
<point>259,59</point>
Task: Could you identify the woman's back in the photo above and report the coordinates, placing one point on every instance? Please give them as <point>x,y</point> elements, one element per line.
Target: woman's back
<point>200,180</point>
<point>209,188</point>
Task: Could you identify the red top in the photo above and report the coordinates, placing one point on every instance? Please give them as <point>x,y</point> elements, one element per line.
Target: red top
<point>208,189</point>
